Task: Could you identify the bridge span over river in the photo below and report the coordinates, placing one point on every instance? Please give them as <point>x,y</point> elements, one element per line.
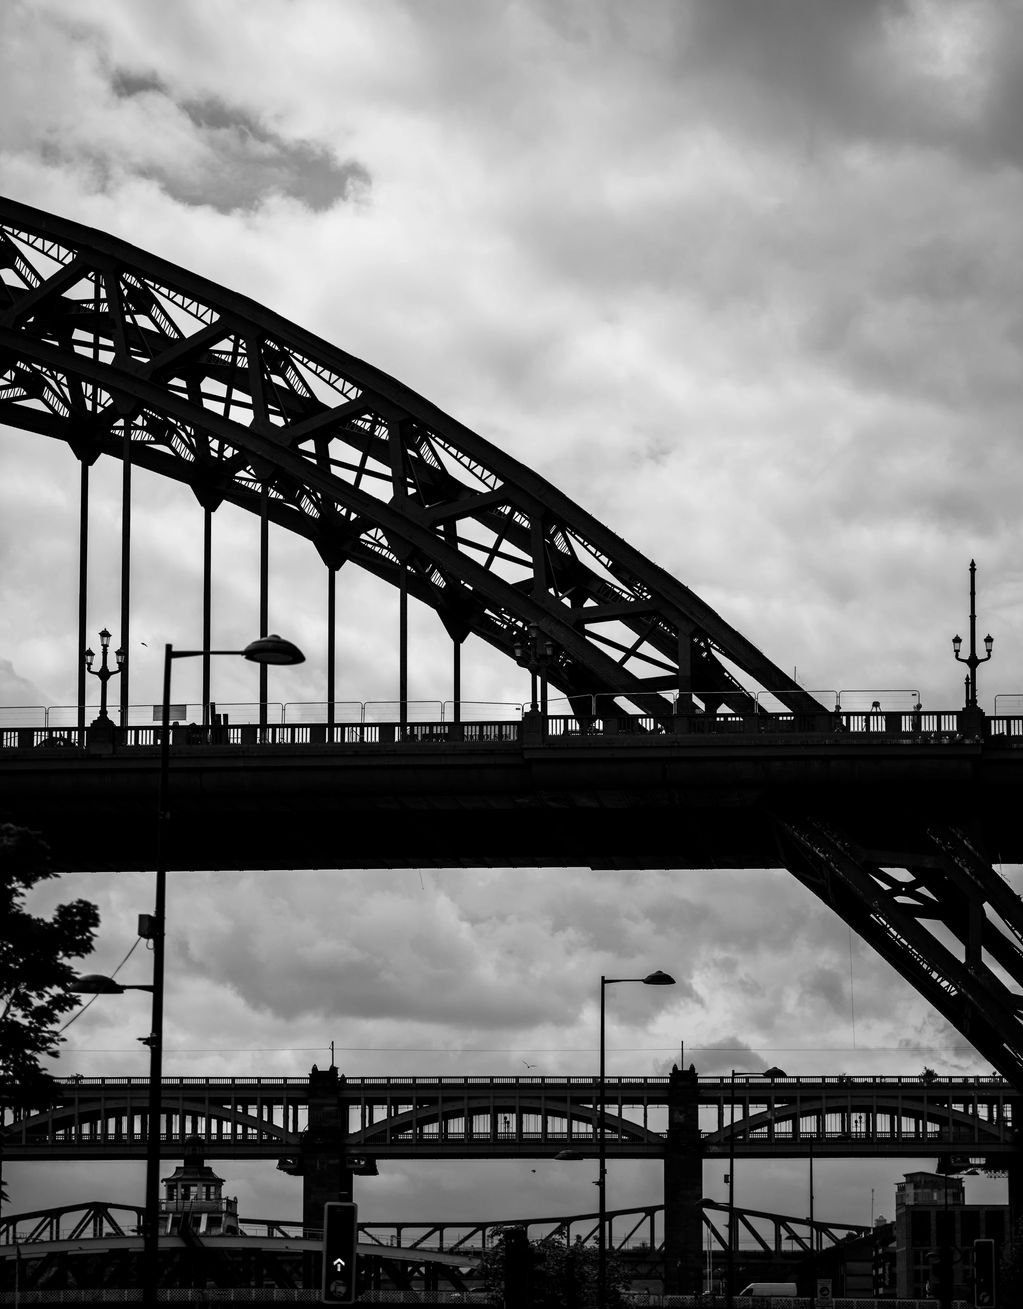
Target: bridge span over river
<point>681,743</point>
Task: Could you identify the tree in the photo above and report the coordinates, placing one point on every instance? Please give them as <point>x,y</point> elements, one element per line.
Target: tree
<point>35,977</point>
<point>548,1273</point>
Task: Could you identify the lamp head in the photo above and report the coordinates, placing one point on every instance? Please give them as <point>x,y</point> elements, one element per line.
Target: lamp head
<point>104,638</point>
<point>658,979</point>
<point>989,641</point>
<point>119,655</point>
<point>96,984</point>
<point>957,644</point>
<point>273,649</point>
<point>90,655</point>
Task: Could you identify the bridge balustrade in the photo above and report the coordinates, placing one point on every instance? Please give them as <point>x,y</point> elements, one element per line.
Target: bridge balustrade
<point>932,727</point>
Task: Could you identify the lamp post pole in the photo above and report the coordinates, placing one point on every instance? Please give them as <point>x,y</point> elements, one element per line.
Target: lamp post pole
<point>973,659</point>
<point>267,650</point>
<point>652,979</point>
<point>104,672</point>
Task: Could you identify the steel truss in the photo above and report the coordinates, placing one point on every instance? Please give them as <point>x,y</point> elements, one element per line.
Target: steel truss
<point>945,919</point>
<point>116,352</point>
<point>641,1225</point>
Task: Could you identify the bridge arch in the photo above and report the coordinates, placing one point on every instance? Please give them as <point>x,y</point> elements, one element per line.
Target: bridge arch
<point>117,352</point>
<point>119,1122</point>
<point>925,1126</point>
<point>618,1127</point>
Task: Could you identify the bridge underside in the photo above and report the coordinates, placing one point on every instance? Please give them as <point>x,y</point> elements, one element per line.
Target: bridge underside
<point>650,803</point>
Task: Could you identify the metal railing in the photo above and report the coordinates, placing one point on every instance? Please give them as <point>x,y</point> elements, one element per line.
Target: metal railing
<point>371,728</point>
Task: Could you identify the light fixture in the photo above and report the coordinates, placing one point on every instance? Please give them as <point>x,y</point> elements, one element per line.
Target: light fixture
<point>273,649</point>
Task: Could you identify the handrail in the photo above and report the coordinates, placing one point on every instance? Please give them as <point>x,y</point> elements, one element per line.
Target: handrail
<point>934,1081</point>
<point>927,727</point>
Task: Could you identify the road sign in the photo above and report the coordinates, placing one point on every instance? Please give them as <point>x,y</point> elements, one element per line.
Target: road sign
<point>824,1296</point>
<point>340,1237</point>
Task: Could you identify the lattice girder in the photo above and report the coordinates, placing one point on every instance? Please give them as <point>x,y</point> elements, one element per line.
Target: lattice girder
<point>119,353</point>
<point>978,985</point>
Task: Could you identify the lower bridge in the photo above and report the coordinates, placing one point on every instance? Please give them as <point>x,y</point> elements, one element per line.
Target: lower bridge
<point>329,1129</point>
<point>469,1117</point>
<point>98,1244</point>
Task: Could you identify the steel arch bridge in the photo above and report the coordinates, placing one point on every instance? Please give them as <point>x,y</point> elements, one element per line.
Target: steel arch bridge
<point>117,352</point>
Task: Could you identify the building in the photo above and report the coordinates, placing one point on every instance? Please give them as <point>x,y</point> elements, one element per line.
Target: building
<point>194,1200</point>
<point>934,1234</point>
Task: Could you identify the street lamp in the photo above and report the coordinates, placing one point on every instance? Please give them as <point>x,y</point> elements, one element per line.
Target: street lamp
<point>266,650</point>
<point>97,984</point>
<point>104,672</point>
<point>973,659</point>
<point>535,653</point>
<point>652,979</point>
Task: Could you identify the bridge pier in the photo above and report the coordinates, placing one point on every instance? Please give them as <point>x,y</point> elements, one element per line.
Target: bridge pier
<point>325,1172</point>
<point>683,1187</point>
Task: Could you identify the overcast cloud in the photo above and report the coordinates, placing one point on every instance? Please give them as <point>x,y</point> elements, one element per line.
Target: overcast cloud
<point>742,277</point>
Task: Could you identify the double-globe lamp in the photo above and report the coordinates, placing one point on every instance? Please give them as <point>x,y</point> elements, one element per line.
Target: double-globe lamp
<point>271,649</point>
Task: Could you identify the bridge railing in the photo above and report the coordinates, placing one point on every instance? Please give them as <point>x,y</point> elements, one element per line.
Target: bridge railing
<point>925,726</point>
<point>937,1081</point>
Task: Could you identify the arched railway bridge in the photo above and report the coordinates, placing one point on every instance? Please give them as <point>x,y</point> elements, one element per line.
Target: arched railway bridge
<point>383,1118</point>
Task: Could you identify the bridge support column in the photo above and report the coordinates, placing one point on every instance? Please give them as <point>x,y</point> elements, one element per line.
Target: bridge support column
<point>683,1187</point>
<point>325,1172</point>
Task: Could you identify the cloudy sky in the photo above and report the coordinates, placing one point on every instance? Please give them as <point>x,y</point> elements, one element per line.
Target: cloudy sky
<point>743,278</point>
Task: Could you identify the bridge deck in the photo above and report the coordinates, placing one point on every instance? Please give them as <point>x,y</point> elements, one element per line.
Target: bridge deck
<point>702,794</point>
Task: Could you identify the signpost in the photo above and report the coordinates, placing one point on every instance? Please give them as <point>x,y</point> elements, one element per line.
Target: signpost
<point>340,1238</point>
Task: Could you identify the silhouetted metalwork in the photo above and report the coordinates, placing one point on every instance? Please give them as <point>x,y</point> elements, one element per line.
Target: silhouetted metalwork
<point>972,660</point>
<point>118,352</point>
<point>908,905</point>
<point>526,1118</point>
<point>637,1225</point>
<point>104,672</point>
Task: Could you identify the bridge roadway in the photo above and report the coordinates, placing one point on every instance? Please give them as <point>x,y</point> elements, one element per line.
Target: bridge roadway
<point>691,791</point>
<point>527,1117</point>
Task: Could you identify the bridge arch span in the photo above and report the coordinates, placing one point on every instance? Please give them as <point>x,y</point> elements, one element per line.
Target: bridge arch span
<point>924,1126</point>
<point>117,352</point>
<point>456,1122</point>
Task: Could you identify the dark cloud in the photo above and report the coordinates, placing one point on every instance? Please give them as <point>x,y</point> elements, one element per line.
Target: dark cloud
<point>241,161</point>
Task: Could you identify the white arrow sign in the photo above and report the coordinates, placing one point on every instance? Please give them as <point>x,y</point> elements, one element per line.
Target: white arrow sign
<point>339,1263</point>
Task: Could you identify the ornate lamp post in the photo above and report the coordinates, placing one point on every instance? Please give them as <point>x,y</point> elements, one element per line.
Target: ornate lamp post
<point>537,654</point>
<point>104,672</point>
<point>267,650</point>
<point>973,659</point>
<point>652,979</point>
